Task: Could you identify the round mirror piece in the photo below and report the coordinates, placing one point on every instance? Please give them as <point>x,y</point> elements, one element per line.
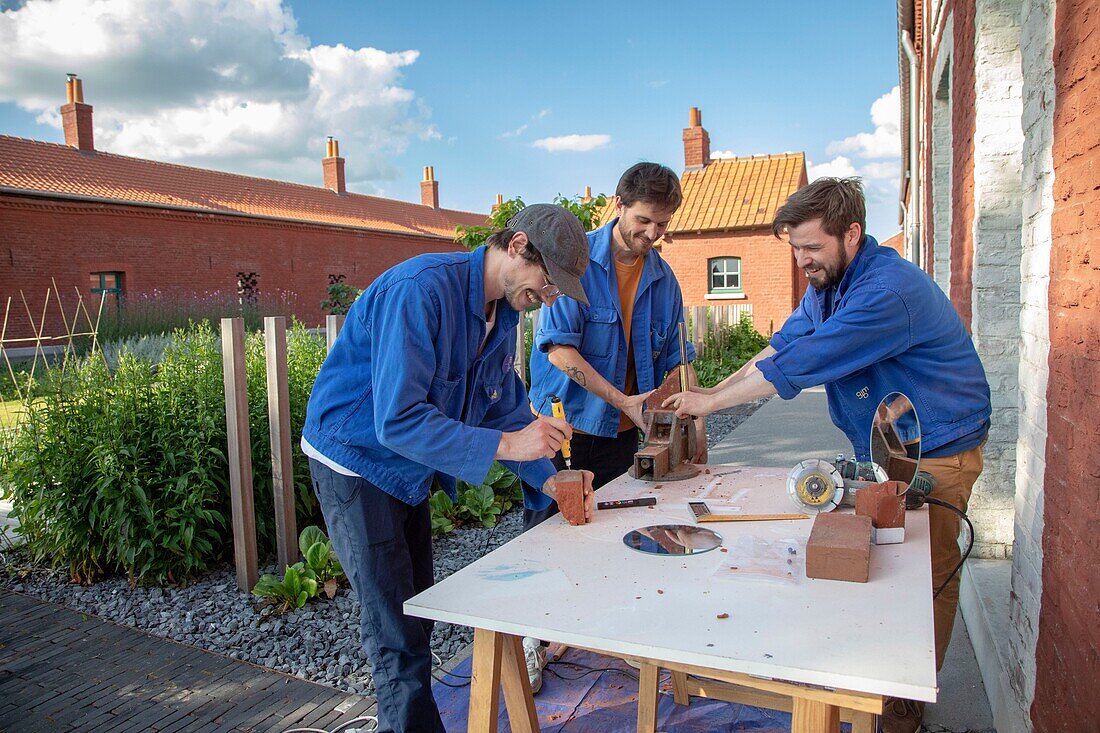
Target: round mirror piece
<point>672,539</point>
<point>895,438</point>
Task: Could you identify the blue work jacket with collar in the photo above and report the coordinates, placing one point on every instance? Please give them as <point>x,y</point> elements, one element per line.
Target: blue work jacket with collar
<point>404,394</point>
<point>886,327</point>
<point>596,331</point>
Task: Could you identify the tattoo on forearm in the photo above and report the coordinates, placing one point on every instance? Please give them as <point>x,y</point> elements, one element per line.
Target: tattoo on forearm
<point>576,375</point>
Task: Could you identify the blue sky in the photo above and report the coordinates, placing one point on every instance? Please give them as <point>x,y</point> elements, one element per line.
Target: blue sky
<point>521,99</point>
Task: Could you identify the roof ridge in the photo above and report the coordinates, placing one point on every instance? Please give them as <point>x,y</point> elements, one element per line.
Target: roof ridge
<point>207,171</point>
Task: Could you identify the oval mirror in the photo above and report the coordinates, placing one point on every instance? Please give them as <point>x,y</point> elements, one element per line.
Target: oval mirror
<point>895,438</point>
<point>672,539</point>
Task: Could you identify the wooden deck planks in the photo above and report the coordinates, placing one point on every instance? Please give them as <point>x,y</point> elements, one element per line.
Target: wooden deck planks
<point>62,669</point>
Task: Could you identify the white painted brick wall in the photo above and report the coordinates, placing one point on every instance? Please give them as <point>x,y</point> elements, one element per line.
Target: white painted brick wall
<point>1037,47</point>
<point>998,141</point>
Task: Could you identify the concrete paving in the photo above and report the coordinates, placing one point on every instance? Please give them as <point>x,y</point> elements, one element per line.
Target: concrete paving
<point>785,432</point>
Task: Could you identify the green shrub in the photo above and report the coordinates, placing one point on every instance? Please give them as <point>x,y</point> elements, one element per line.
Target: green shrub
<point>303,580</point>
<point>295,588</point>
<point>482,504</point>
<point>726,349</point>
<point>126,470</point>
<point>320,559</point>
<point>340,297</point>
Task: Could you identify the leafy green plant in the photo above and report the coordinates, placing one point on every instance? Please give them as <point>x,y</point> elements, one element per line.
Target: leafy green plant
<point>479,505</point>
<point>472,237</point>
<point>321,560</point>
<point>125,469</point>
<point>726,349</point>
<point>443,513</point>
<point>483,504</point>
<point>340,297</point>
<point>296,587</point>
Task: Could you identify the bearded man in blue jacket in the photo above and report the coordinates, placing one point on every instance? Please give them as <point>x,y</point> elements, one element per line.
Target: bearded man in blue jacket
<point>420,387</point>
<point>872,323</point>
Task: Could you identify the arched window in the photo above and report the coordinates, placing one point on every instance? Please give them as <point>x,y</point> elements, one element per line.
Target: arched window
<point>724,275</point>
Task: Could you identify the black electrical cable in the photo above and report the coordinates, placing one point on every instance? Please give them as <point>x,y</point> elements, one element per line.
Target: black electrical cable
<point>969,545</point>
<point>442,681</point>
<point>591,670</point>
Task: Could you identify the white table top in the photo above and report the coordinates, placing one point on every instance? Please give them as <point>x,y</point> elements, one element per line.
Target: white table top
<point>583,586</point>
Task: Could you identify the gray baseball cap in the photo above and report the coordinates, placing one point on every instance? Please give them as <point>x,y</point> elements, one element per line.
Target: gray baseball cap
<point>559,237</point>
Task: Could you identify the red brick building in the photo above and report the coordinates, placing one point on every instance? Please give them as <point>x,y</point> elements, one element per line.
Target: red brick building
<point>722,249</point>
<point>92,220</point>
<point>1001,130</point>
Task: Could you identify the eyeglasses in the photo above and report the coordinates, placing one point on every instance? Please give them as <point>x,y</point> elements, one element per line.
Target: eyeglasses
<point>549,291</point>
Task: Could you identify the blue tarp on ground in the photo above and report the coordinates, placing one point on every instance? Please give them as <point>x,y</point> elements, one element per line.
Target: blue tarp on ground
<point>607,702</point>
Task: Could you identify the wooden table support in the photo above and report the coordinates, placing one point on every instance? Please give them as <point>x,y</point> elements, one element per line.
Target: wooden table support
<point>498,662</point>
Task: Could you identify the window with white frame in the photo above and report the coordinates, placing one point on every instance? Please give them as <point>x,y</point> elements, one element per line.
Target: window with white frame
<point>724,275</point>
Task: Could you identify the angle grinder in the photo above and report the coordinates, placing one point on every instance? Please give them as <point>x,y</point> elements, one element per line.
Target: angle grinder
<point>818,486</point>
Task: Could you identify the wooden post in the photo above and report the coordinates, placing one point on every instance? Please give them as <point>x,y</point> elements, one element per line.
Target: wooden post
<point>698,331</point>
<point>278,421</point>
<point>333,324</point>
<point>485,682</point>
<point>240,453</point>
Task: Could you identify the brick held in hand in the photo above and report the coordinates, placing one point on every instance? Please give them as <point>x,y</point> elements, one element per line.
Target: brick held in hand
<point>669,387</point>
<point>839,547</point>
<point>569,487</point>
<point>884,503</point>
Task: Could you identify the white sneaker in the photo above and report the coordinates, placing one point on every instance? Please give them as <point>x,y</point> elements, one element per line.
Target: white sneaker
<point>534,654</point>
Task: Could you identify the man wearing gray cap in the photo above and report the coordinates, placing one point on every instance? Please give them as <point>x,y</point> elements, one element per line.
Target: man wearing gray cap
<point>420,387</point>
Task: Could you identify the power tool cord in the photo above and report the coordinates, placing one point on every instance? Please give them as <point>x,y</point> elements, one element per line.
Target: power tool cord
<point>969,544</point>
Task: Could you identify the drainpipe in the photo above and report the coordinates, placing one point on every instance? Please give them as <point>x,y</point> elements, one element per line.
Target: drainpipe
<point>914,172</point>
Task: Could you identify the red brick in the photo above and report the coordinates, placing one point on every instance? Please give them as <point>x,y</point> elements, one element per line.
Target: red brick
<point>569,494</point>
<point>884,503</point>
<point>839,547</point>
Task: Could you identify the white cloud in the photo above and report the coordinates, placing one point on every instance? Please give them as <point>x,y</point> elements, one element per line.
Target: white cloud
<point>575,143</point>
<point>716,154</point>
<point>523,128</point>
<point>227,84</point>
<point>875,157</point>
<point>838,167</point>
<point>885,140</point>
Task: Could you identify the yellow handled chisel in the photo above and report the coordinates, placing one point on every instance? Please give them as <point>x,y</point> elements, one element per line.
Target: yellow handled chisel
<point>558,410</point>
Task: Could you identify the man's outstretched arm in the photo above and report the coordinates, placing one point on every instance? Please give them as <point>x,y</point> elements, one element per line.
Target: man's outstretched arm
<point>577,368</point>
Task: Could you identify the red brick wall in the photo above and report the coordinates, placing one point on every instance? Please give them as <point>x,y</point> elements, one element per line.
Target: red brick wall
<point>771,282</point>
<point>1068,648</point>
<point>963,105</point>
<point>180,254</point>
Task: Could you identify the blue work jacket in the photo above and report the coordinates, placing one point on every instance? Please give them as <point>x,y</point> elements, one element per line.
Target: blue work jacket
<point>404,395</point>
<point>596,331</point>
<point>886,327</point>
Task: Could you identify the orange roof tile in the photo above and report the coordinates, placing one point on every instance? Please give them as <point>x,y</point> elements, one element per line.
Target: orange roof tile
<point>732,193</point>
<point>49,168</point>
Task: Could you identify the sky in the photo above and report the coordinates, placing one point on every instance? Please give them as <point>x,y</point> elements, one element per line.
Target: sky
<point>521,99</point>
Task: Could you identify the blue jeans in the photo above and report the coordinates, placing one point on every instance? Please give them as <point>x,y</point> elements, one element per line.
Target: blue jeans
<point>385,546</point>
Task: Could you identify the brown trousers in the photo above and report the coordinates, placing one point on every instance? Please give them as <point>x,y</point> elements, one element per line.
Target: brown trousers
<point>955,476</point>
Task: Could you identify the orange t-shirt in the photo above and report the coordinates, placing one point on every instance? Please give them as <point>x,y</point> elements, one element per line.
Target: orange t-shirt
<point>628,277</point>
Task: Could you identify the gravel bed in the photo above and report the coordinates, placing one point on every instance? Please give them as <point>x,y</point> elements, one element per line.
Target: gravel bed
<point>319,642</point>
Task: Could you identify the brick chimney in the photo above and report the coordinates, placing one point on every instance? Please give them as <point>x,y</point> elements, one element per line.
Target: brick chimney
<point>499,203</point>
<point>587,195</point>
<point>333,166</point>
<point>696,142</point>
<point>429,188</point>
<point>76,117</point>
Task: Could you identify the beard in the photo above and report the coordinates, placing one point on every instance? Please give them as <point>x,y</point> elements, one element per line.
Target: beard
<point>637,245</point>
<point>830,274</point>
